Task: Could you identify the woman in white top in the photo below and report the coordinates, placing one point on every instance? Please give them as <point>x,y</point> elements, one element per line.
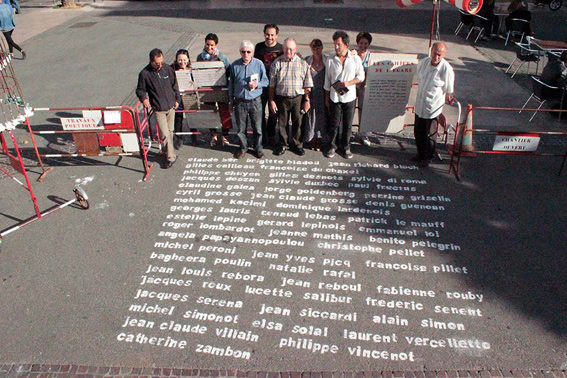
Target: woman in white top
<point>363,41</point>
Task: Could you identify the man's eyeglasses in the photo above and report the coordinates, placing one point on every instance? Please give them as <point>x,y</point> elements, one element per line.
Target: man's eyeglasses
<point>245,52</point>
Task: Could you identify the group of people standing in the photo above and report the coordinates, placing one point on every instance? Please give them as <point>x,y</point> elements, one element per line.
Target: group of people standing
<point>307,99</point>
<point>289,102</point>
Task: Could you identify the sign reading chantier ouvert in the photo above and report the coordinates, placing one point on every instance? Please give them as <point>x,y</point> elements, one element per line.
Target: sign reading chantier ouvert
<point>341,263</point>
<point>388,85</point>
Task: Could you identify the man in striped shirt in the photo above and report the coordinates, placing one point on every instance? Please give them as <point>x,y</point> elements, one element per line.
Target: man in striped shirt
<point>290,83</point>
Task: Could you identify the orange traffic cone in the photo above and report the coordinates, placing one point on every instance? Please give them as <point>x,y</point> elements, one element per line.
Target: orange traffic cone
<point>466,145</point>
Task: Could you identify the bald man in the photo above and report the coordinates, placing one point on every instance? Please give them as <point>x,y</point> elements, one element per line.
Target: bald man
<point>435,85</point>
<point>290,84</point>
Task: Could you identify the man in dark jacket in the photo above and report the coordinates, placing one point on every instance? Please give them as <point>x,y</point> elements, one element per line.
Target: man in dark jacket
<point>521,12</point>
<point>158,90</point>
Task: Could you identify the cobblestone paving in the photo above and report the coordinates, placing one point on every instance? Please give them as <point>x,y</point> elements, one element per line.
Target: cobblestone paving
<point>80,371</point>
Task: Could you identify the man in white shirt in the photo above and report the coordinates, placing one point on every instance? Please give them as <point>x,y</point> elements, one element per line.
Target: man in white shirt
<point>343,72</point>
<point>435,85</point>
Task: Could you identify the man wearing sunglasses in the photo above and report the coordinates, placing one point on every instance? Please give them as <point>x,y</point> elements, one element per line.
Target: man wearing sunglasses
<point>247,78</point>
<point>157,90</point>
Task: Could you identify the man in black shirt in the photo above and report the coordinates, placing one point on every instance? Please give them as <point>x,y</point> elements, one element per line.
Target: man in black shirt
<point>158,90</point>
<point>267,51</point>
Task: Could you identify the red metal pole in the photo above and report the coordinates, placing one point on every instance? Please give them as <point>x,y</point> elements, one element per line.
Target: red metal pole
<point>432,23</point>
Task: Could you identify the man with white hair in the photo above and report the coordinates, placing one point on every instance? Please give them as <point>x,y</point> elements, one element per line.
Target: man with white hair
<point>247,78</point>
<point>290,84</point>
<point>435,85</point>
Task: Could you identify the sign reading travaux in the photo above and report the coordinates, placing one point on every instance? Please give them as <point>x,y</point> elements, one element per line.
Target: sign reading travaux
<point>388,86</point>
<point>81,123</point>
<point>513,142</point>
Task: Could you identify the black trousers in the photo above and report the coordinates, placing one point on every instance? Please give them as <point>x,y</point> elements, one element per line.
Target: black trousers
<point>425,133</point>
<point>269,125</point>
<point>11,43</point>
<point>341,113</point>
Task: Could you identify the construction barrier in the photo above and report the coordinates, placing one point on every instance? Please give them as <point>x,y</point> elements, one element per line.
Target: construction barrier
<point>508,142</point>
<point>13,112</point>
<point>100,131</point>
<point>17,163</point>
<point>147,124</point>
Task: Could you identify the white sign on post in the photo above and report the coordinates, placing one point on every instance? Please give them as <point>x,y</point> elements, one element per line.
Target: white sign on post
<point>209,74</point>
<point>388,86</point>
<point>185,80</point>
<point>512,142</point>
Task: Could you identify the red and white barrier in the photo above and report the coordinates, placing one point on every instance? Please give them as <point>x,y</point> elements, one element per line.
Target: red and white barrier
<point>469,6</point>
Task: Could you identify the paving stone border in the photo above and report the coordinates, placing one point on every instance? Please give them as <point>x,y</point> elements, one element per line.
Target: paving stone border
<point>81,371</point>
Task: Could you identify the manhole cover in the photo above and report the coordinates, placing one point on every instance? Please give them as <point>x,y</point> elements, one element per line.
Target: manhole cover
<point>82,25</point>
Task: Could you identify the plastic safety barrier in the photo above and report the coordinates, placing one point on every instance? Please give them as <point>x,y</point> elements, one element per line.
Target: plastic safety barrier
<point>100,131</point>
<point>503,142</point>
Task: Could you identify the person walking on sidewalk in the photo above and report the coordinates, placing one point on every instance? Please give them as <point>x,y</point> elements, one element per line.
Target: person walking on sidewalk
<point>7,25</point>
<point>158,90</point>
<point>435,85</point>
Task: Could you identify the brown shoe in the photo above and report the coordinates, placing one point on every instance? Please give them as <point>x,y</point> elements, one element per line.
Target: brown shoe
<point>240,154</point>
<point>169,163</point>
<point>259,155</point>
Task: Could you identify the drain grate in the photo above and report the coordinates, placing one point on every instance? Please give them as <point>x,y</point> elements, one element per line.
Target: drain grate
<point>82,25</point>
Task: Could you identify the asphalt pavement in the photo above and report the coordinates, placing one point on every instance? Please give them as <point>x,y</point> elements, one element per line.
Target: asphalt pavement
<point>291,265</point>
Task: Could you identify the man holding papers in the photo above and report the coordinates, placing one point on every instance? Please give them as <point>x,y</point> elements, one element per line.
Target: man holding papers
<point>247,78</point>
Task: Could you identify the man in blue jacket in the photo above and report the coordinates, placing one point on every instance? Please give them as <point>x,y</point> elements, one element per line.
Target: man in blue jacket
<point>247,78</point>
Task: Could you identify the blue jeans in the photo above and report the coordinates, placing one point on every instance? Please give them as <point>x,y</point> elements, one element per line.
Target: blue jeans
<point>251,109</point>
<point>340,113</point>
